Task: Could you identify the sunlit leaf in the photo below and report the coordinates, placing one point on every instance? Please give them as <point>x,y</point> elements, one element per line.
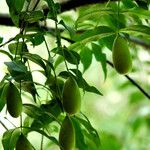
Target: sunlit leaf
<point>17,48</point>
<point>137,30</point>
<point>80,140</point>
<point>86,57</point>
<point>93,135</point>
<point>142,13</point>
<point>100,57</point>
<point>10,138</point>
<point>35,58</point>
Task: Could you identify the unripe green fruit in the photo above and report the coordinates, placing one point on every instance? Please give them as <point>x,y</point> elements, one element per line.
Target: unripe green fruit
<point>23,143</point>
<point>14,101</point>
<point>122,59</point>
<point>67,135</point>
<point>71,97</point>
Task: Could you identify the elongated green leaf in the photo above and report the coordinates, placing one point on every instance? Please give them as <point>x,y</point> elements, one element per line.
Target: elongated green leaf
<point>6,53</point>
<point>30,108</point>
<point>93,135</point>
<point>37,39</point>
<point>32,16</point>
<point>80,80</point>
<point>90,13</point>
<point>10,138</point>
<point>142,13</point>
<point>86,57</point>
<point>91,35</point>
<point>2,95</point>
<point>42,116</point>
<point>53,139</point>
<point>17,66</point>
<point>35,58</point>
<point>100,56</point>
<point>71,56</point>
<point>80,140</point>
<point>15,8</point>
<point>69,29</point>
<point>137,30</point>
<point>17,48</point>
<point>100,30</point>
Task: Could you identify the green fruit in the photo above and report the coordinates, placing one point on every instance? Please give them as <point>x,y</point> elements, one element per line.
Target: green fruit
<point>121,56</point>
<point>13,100</point>
<point>23,143</point>
<point>3,91</point>
<point>67,135</point>
<point>71,97</point>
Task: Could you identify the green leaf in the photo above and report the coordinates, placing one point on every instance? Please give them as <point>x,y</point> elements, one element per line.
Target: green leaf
<point>53,139</point>
<point>17,66</point>
<point>92,13</point>
<point>35,58</point>
<point>32,16</point>
<point>86,57</point>
<point>30,108</point>
<point>100,57</point>
<point>42,115</point>
<point>100,31</point>
<point>6,53</point>
<point>15,4</point>
<point>51,14</point>
<point>137,30</point>
<point>80,140</point>
<point>69,29</point>
<point>80,80</point>
<point>93,135</point>
<point>15,8</point>
<point>142,13</point>
<point>3,94</point>
<point>19,5</point>
<point>1,40</point>
<point>17,48</point>
<point>50,112</point>
<point>37,39</point>
<point>71,56</point>
<point>10,138</point>
<point>91,35</point>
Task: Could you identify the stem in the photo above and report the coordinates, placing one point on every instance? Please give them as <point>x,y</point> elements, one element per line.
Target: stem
<point>3,125</point>
<point>133,82</point>
<point>42,141</point>
<point>35,5</point>
<point>118,4</point>
<point>9,121</point>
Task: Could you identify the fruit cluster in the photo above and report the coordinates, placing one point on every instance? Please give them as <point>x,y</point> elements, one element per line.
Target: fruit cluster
<point>71,103</point>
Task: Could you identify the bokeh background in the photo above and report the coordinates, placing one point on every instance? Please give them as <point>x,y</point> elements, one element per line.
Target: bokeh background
<point>121,116</point>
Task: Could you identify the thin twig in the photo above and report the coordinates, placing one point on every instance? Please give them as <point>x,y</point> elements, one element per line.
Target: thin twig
<point>3,125</point>
<point>133,82</point>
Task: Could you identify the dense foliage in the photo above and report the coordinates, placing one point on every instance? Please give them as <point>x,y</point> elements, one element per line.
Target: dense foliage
<point>68,45</point>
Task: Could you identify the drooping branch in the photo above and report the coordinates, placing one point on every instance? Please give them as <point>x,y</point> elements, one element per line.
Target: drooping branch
<point>133,82</point>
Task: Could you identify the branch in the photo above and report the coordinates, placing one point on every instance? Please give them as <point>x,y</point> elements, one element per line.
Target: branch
<point>65,6</point>
<point>129,78</point>
<point>133,82</point>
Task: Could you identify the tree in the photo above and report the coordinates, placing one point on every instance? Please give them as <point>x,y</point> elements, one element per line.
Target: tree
<point>69,46</point>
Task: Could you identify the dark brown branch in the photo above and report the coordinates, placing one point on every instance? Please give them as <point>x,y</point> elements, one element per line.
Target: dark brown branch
<point>65,6</point>
<point>71,4</point>
<point>133,82</point>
